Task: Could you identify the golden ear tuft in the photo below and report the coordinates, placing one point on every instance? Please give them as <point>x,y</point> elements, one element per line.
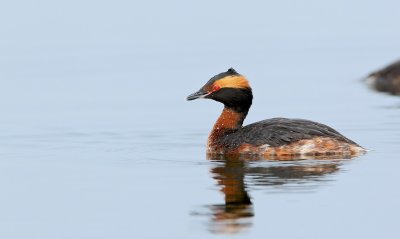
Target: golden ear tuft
<point>233,81</point>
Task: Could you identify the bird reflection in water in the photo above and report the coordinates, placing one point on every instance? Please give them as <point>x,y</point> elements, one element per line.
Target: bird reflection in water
<point>236,213</point>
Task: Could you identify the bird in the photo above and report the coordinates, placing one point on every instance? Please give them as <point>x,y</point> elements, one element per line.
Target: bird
<point>386,80</point>
<point>275,138</point>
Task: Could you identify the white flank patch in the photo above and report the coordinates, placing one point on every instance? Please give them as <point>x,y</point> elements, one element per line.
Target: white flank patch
<point>304,149</point>
<point>264,147</point>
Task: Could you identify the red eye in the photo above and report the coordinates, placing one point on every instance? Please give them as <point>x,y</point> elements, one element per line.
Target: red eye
<point>215,88</point>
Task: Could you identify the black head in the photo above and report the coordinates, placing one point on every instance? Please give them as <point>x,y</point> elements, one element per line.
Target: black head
<point>229,88</point>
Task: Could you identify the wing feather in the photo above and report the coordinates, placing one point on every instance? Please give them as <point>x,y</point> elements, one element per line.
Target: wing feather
<point>281,131</point>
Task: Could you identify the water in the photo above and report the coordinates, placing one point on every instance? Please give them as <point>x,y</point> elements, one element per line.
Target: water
<point>97,140</point>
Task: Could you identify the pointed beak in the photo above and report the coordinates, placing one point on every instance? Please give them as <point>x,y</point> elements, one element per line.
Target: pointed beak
<point>199,94</point>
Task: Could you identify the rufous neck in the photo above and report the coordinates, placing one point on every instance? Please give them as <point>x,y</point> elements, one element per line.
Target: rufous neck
<point>229,120</point>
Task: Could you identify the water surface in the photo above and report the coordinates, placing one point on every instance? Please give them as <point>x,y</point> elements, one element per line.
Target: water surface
<point>97,140</point>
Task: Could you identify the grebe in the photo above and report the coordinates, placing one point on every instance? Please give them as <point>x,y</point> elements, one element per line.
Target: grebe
<point>272,138</point>
<point>386,79</point>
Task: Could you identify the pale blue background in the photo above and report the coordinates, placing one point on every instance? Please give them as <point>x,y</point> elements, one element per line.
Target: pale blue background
<point>97,140</point>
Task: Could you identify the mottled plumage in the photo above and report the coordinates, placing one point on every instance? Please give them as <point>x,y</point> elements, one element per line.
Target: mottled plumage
<point>279,131</point>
